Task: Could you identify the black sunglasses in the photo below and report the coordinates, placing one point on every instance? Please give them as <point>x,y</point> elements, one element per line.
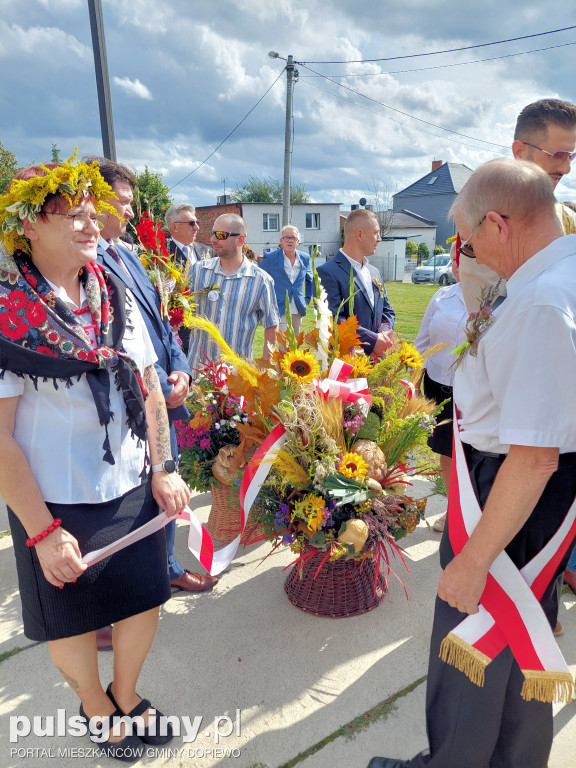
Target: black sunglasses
<point>219,235</point>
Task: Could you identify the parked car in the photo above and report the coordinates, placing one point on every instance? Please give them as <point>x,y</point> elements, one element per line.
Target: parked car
<point>436,269</point>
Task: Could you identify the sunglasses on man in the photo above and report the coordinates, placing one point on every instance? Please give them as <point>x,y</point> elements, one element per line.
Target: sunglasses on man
<point>219,235</point>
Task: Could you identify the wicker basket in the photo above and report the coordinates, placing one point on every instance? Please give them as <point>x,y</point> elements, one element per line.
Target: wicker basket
<point>224,519</point>
<point>342,588</point>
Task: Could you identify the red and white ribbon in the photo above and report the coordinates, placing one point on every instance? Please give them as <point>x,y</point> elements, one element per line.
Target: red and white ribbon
<point>509,611</point>
<point>338,384</point>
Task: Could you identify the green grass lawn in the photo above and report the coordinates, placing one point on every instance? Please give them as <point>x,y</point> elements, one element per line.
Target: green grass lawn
<point>409,302</point>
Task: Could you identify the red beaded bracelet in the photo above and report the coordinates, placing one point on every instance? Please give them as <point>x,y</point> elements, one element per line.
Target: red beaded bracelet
<point>52,527</point>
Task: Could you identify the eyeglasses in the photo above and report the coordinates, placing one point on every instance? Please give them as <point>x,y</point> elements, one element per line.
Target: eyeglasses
<point>192,222</point>
<point>560,155</point>
<point>465,247</point>
<point>289,237</point>
<point>81,220</point>
<point>219,235</point>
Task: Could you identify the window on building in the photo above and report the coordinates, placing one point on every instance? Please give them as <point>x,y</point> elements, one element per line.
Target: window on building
<point>432,180</point>
<point>312,221</point>
<point>270,222</point>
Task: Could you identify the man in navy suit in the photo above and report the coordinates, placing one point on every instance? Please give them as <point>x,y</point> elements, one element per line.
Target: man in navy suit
<point>292,275</point>
<point>172,367</point>
<point>371,306</point>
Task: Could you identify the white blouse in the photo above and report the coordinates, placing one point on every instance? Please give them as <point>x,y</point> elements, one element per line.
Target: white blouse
<point>60,434</point>
<point>443,323</point>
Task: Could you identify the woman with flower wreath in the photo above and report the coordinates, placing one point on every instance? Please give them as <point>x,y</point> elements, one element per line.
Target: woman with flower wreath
<point>79,425</point>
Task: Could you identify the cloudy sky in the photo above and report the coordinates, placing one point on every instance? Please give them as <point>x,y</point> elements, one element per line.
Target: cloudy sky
<point>185,73</point>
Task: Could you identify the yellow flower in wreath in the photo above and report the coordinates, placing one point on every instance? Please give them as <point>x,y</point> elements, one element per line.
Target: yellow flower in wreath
<point>302,366</point>
<point>353,465</point>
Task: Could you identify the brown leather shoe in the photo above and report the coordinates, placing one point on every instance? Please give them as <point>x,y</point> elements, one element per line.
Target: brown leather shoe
<point>104,638</point>
<point>570,579</point>
<point>194,582</point>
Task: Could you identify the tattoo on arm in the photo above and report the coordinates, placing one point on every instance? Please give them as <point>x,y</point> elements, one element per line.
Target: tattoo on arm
<point>161,433</point>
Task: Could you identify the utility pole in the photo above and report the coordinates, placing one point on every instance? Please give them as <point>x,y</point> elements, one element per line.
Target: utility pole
<point>288,143</point>
<point>291,75</point>
<point>102,78</point>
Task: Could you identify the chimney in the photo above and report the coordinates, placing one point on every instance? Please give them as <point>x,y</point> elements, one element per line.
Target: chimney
<point>436,164</point>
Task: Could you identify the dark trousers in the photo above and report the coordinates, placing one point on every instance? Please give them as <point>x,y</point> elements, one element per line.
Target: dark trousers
<point>492,726</point>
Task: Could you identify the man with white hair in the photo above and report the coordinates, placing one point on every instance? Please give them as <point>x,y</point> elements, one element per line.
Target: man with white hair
<point>241,295</point>
<point>494,666</point>
<point>183,225</point>
<point>291,271</point>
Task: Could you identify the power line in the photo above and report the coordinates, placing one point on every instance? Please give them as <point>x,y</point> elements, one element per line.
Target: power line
<point>406,114</point>
<point>437,53</point>
<point>445,66</point>
<point>230,134</point>
<point>407,125</point>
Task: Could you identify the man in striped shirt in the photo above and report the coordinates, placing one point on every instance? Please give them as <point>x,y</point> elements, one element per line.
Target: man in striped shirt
<point>241,296</point>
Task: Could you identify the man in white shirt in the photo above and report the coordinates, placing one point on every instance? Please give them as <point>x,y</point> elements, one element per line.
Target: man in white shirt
<point>291,271</point>
<point>516,488</point>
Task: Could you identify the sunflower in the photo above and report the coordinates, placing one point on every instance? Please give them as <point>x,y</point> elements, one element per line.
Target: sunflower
<point>410,356</point>
<point>362,366</point>
<point>302,366</point>
<point>311,509</point>
<point>353,465</point>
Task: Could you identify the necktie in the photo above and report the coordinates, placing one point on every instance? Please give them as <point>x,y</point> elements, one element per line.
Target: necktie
<point>111,250</point>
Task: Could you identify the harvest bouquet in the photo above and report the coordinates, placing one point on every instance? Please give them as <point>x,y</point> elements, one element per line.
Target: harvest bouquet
<point>335,431</point>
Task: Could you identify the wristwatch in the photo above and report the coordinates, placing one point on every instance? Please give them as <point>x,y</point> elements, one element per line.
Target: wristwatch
<point>168,466</point>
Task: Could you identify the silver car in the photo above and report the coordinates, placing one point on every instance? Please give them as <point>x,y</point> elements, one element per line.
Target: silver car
<point>436,269</point>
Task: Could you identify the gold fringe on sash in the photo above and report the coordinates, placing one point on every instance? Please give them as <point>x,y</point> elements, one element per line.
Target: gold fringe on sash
<point>549,687</point>
<point>463,656</point>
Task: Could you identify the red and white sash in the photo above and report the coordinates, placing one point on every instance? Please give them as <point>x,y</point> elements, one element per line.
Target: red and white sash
<point>509,611</point>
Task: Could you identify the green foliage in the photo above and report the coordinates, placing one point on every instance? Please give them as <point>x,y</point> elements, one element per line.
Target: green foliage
<point>56,154</point>
<point>8,167</point>
<point>423,251</point>
<point>268,190</point>
<point>151,194</point>
<point>438,249</point>
<point>411,247</point>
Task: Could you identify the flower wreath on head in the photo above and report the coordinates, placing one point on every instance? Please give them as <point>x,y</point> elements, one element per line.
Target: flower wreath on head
<point>25,197</point>
<point>40,337</point>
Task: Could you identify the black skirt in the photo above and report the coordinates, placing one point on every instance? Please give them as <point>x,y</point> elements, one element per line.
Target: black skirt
<point>130,582</point>
<point>440,441</point>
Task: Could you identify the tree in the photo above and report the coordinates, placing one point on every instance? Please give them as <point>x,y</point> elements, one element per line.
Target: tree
<point>380,197</point>
<point>438,249</point>
<point>56,154</point>
<point>423,252</point>
<point>268,190</point>
<point>8,167</point>
<point>151,194</point>
<point>411,248</point>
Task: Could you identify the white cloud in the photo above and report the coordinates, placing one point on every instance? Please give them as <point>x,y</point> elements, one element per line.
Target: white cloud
<point>133,87</point>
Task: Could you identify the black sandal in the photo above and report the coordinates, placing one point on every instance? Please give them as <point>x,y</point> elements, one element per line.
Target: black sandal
<point>148,738</point>
<point>129,750</point>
